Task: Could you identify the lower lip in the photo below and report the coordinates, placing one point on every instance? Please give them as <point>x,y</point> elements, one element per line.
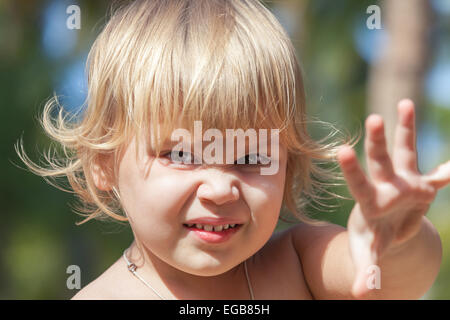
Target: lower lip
<point>214,236</point>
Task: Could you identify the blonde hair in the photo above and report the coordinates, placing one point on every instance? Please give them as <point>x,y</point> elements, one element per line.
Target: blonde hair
<point>228,63</point>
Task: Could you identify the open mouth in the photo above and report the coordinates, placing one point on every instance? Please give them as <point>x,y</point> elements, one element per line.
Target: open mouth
<point>213,234</point>
<point>211,228</point>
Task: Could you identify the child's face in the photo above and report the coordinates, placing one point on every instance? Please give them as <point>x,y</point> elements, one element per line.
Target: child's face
<point>161,197</point>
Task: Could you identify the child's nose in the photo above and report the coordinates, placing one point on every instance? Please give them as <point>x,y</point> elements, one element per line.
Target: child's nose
<point>218,187</point>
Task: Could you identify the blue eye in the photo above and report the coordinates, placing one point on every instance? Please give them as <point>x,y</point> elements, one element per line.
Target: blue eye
<point>253,158</point>
<point>179,157</point>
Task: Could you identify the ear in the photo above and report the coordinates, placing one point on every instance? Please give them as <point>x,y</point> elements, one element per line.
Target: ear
<point>99,173</point>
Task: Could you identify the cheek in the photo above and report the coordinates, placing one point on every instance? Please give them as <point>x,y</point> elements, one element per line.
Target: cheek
<point>264,196</point>
<point>266,190</point>
<point>153,201</point>
<point>263,193</point>
<point>156,188</point>
<point>267,199</point>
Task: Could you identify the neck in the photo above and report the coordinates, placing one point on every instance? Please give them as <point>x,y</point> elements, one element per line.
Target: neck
<point>171,282</point>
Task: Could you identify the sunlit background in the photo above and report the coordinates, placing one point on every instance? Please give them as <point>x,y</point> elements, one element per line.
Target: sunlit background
<point>341,60</point>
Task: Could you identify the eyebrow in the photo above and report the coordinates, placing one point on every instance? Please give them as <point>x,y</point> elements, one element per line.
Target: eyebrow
<point>168,144</point>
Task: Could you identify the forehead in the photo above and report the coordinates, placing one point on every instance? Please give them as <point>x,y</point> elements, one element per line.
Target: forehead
<point>235,136</point>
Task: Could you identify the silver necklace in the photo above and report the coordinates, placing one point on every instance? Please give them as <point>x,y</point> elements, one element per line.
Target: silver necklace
<point>132,268</point>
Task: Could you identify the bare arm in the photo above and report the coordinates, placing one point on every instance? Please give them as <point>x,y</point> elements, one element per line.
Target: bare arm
<point>388,236</point>
<point>407,271</point>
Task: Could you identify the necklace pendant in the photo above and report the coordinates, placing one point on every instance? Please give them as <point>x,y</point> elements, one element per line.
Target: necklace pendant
<point>132,267</point>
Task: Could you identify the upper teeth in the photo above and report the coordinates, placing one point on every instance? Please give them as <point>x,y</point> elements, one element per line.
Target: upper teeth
<point>209,227</point>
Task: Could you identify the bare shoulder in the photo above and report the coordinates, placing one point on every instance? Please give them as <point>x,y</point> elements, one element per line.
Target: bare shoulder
<point>92,291</point>
<point>276,270</point>
<point>110,285</point>
<point>307,237</point>
<point>322,250</point>
<point>312,241</point>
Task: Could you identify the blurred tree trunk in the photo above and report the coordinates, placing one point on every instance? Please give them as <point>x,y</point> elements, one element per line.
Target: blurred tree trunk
<point>400,70</point>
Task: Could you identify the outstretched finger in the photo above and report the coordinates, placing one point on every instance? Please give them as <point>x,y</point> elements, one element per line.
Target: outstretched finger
<point>378,160</point>
<point>365,259</point>
<point>440,176</point>
<point>359,186</point>
<point>405,154</point>
<point>360,288</point>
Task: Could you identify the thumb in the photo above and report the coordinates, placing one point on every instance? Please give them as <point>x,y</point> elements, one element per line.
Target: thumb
<point>367,280</point>
<point>440,176</point>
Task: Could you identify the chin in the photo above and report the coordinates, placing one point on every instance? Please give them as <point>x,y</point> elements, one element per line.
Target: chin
<point>208,268</point>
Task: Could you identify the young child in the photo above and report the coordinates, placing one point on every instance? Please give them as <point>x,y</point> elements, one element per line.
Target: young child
<point>205,229</point>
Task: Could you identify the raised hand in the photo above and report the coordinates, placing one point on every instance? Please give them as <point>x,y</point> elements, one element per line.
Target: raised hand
<point>392,201</point>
